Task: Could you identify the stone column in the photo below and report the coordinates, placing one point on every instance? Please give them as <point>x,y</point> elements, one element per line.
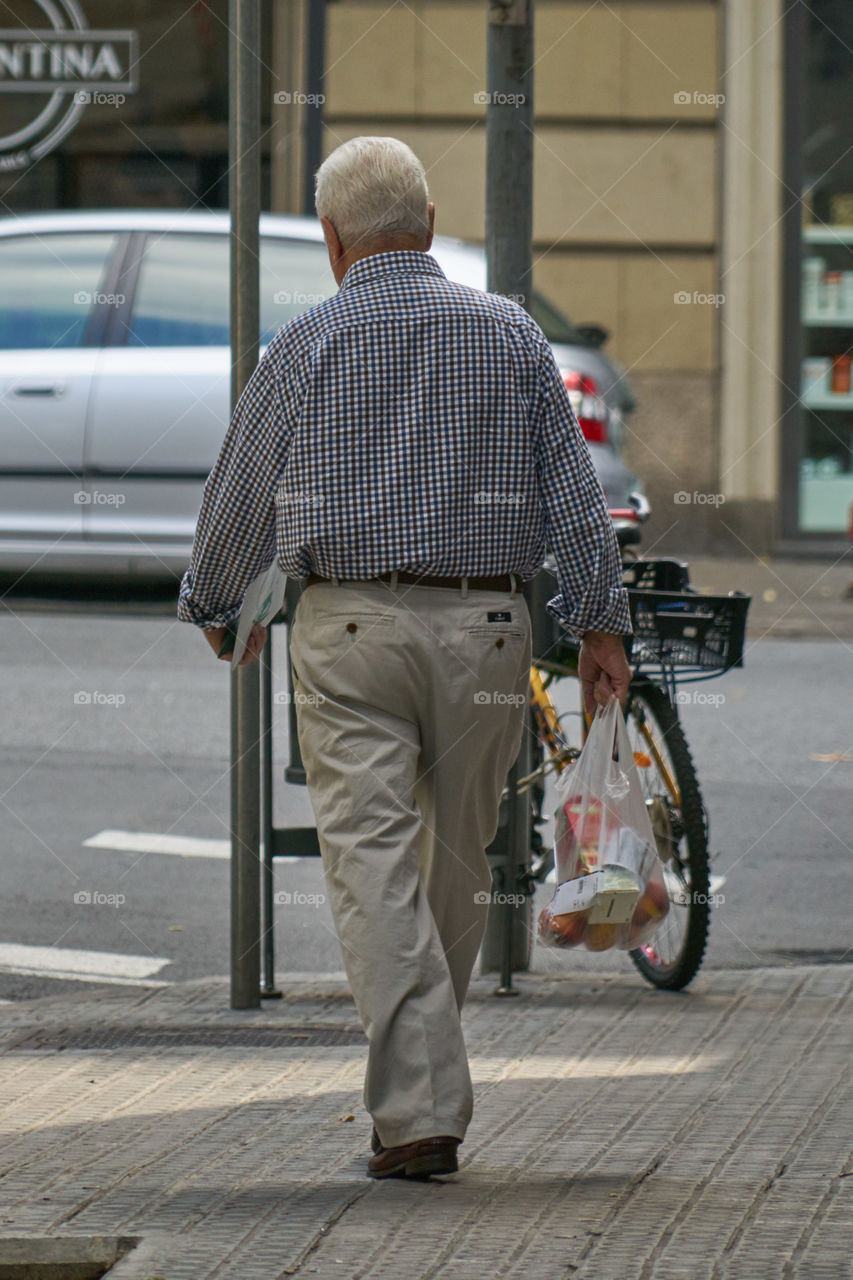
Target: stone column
<point>750,338</point>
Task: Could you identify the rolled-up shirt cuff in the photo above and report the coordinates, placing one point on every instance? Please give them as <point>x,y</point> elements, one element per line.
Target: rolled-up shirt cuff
<point>611,613</point>
<point>206,618</point>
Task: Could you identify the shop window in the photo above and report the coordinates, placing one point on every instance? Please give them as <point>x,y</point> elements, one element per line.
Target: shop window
<point>825,479</point>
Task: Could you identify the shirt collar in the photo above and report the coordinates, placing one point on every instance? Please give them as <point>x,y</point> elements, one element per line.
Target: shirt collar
<point>397,262</point>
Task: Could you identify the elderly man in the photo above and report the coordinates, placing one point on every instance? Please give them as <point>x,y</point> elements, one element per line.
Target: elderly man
<point>407,448</point>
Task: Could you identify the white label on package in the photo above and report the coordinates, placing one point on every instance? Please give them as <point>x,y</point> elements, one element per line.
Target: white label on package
<point>578,894</point>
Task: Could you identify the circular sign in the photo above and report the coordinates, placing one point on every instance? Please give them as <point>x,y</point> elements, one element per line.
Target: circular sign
<point>66,62</point>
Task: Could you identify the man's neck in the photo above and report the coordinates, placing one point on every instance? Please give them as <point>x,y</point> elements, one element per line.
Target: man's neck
<point>391,246</point>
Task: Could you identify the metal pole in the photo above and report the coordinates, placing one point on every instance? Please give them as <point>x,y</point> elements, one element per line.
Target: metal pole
<point>509,234</point>
<point>269,991</point>
<point>509,148</point>
<point>244,76</point>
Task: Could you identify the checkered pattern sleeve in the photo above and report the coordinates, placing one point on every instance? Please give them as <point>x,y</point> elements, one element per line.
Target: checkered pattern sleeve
<point>235,532</point>
<point>578,528</point>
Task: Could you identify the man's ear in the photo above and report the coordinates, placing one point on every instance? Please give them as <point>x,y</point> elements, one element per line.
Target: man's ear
<point>431,213</point>
<point>333,241</point>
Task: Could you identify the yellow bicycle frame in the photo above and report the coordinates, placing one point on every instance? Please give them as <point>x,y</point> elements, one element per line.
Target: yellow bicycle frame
<point>549,724</point>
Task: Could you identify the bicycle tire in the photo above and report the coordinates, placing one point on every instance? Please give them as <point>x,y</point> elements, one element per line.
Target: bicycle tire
<point>690,849</point>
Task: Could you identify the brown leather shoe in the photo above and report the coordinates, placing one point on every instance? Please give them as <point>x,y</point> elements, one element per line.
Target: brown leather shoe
<point>424,1159</point>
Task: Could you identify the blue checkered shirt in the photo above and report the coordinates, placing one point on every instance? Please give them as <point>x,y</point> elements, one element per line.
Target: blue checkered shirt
<point>406,423</point>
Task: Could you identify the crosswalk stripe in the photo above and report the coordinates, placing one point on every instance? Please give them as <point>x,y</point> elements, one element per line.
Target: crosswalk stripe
<point>82,966</point>
<point>154,842</point>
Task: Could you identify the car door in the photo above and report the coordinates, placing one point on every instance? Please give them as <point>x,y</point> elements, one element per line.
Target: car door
<point>161,399</point>
<point>52,303</point>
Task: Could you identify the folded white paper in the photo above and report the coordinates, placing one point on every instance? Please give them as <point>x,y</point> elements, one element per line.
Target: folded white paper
<point>262,601</point>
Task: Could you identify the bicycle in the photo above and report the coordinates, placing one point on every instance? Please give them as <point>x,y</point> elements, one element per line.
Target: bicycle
<point>679,635</point>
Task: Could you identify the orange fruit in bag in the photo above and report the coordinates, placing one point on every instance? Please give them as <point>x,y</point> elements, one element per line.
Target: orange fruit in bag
<point>569,928</point>
<point>652,907</point>
<point>601,937</point>
<point>565,930</point>
<point>653,903</point>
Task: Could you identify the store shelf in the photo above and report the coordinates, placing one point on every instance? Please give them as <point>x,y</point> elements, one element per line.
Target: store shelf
<point>828,401</point>
<point>828,322</point>
<point>828,235</point>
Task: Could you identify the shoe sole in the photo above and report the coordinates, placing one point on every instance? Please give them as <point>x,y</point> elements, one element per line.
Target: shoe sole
<point>428,1166</point>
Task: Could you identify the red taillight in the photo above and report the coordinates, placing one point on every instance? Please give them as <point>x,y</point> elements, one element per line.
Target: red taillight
<point>589,408</point>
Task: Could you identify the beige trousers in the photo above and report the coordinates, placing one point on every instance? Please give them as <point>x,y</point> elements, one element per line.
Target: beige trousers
<point>410,705</point>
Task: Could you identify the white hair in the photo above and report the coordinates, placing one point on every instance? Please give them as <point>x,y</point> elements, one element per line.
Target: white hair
<point>373,190</point>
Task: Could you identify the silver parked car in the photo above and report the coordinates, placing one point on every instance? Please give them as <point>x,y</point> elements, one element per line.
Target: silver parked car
<point>115,377</point>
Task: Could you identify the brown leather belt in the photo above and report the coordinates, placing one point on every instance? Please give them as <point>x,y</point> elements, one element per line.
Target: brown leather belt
<point>497,582</point>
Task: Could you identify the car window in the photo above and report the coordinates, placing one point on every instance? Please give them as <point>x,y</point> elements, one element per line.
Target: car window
<point>295,275</point>
<point>48,285</point>
<point>182,296</point>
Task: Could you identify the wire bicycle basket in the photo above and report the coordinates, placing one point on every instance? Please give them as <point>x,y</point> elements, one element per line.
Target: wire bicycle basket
<point>678,629</point>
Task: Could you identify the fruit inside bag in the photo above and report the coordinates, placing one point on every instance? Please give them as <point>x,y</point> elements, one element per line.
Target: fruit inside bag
<point>610,885</point>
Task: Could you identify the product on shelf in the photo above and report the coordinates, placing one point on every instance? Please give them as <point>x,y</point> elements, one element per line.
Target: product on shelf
<point>847,295</point>
<point>832,306</point>
<point>816,372</point>
<point>813,270</point>
<point>840,379</point>
<point>841,208</point>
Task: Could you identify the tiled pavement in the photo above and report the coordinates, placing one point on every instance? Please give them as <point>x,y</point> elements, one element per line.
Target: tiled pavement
<point>619,1133</point>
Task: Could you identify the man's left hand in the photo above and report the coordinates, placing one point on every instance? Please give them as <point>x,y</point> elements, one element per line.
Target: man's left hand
<point>603,670</point>
<point>254,645</point>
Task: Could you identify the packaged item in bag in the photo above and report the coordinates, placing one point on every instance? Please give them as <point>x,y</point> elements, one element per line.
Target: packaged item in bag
<point>610,887</point>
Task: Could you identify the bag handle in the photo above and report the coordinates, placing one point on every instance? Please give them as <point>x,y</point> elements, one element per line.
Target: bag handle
<point>612,724</point>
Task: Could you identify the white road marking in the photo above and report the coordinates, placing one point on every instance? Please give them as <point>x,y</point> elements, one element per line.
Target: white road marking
<point>153,842</point>
<point>82,966</point>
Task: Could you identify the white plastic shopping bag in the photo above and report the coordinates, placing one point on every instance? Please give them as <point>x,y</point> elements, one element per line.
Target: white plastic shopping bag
<point>610,885</point>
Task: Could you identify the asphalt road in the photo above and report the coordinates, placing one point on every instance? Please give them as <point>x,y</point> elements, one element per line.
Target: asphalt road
<point>117,723</point>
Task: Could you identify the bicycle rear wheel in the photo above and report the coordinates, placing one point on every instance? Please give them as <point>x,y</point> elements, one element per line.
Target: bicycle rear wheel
<point>673,956</point>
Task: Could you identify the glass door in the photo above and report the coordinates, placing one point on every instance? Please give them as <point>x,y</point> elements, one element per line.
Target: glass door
<point>824,480</point>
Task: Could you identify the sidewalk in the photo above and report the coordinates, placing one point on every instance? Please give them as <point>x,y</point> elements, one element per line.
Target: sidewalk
<point>619,1133</point>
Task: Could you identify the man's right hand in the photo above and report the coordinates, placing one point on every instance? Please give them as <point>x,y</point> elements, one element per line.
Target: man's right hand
<point>603,669</point>
<point>254,644</point>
